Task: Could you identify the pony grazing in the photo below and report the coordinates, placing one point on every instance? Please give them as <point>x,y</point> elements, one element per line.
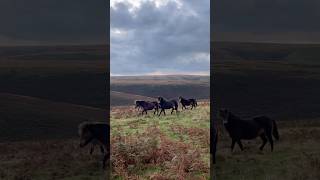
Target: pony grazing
<point>249,129</point>
<point>146,106</point>
<point>164,104</point>
<point>95,133</point>
<point>187,102</point>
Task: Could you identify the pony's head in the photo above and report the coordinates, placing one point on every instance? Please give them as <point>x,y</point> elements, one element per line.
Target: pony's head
<point>160,98</point>
<point>84,133</point>
<point>138,103</point>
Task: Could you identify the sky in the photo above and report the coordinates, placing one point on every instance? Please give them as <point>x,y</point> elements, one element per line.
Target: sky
<point>37,22</point>
<point>281,21</point>
<point>159,37</point>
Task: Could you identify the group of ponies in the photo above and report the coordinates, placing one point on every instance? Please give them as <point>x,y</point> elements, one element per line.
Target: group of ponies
<point>97,133</point>
<point>162,104</point>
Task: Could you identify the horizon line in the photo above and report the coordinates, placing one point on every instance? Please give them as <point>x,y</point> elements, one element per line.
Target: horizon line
<point>135,75</point>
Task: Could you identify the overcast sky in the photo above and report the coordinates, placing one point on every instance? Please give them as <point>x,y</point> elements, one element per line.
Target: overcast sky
<point>33,22</point>
<point>154,37</point>
<point>288,21</point>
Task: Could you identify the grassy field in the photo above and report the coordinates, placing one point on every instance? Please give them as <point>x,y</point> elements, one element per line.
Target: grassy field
<point>38,140</point>
<point>49,160</point>
<point>167,147</point>
<point>296,155</point>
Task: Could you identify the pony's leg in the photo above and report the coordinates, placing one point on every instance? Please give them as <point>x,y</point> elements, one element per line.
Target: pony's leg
<point>269,136</point>
<point>264,141</point>
<point>104,160</point>
<point>160,112</point>
<point>92,149</point>
<point>232,144</point>
<point>240,144</point>
<point>172,110</point>
<point>102,149</point>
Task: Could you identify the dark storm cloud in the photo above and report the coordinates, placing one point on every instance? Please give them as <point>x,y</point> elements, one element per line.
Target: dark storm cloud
<point>267,17</point>
<point>151,39</point>
<point>53,21</point>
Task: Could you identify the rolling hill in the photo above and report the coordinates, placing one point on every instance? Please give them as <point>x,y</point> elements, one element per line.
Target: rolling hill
<point>121,99</point>
<point>279,80</point>
<point>130,88</point>
<point>30,118</point>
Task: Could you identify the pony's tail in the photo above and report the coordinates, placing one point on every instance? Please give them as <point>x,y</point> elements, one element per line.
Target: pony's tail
<point>275,130</point>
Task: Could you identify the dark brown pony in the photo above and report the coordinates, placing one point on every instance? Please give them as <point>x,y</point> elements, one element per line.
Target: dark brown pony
<point>146,106</point>
<point>239,129</point>
<point>187,102</point>
<point>165,104</point>
<point>96,133</point>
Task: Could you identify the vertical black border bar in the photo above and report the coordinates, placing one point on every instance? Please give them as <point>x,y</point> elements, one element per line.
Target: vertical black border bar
<point>107,86</point>
<point>213,129</point>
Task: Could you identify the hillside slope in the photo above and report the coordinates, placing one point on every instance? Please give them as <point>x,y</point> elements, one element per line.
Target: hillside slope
<point>27,118</point>
<point>120,98</point>
<point>278,80</point>
<point>170,87</point>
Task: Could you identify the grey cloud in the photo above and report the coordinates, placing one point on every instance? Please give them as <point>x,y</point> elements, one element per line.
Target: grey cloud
<point>54,21</point>
<point>159,37</point>
<point>266,17</point>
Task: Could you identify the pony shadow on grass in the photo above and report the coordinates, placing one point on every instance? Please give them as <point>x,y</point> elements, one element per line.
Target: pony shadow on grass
<point>165,104</point>
<point>238,129</point>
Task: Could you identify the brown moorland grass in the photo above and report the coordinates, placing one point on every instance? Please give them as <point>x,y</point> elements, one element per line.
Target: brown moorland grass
<point>49,160</point>
<point>166,147</point>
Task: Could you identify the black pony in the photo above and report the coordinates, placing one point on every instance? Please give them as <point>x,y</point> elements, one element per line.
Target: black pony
<point>164,104</point>
<point>239,129</point>
<point>146,105</point>
<point>96,133</point>
<point>187,102</point>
